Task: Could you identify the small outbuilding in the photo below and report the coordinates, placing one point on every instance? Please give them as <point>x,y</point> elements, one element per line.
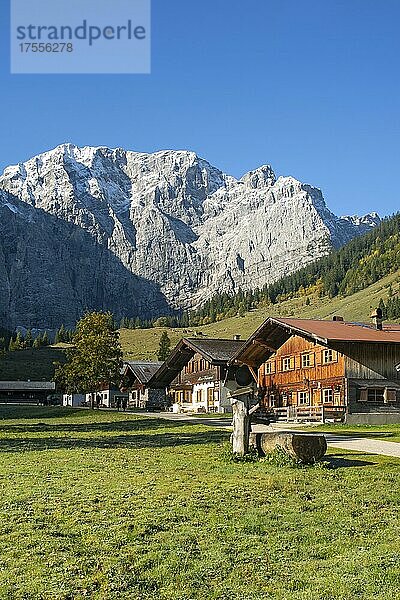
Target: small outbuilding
<point>74,400</point>
<point>29,392</point>
<point>108,396</point>
<point>137,376</point>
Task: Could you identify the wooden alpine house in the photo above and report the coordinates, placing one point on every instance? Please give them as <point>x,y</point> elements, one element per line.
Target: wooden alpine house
<point>194,374</point>
<point>326,370</point>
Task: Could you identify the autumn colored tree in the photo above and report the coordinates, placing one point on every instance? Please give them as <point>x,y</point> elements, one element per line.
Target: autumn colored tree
<point>95,358</point>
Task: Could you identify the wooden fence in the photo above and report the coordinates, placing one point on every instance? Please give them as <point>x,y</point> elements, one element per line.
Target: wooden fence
<point>320,413</point>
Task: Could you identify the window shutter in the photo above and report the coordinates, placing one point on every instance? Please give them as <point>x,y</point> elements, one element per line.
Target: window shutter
<point>389,395</point>
<point>272,363</point>
<point>292,362</point>
<point>363,395</point>
<point>312,359</point>
<point>334,355</point>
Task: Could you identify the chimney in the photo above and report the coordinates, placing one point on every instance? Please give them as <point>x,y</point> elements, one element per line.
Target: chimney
<point>377,318</point>
<point>237,337</point>
<point>337,318</point>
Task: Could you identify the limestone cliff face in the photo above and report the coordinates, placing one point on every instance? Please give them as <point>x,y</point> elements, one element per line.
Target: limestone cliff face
<point>86,228</point>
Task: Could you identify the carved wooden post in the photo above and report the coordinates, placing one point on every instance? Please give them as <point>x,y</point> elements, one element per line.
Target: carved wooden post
<point>241,424</point>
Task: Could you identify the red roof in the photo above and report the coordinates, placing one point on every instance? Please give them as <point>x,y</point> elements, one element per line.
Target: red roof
<point>273,333</point>
<point>340,331</point>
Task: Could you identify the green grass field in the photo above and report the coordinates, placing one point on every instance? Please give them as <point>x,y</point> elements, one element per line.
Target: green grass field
<point>113,506</point>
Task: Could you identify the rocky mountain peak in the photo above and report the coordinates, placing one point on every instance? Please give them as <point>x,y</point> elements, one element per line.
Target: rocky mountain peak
<point>144,234</point>
<point>263,177</point>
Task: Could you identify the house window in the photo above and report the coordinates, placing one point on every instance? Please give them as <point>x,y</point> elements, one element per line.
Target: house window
<point>199,396</point>
<point>288,363</point>
<point>269,367</point>
<point>328,356</point>
<point>305,360</point>
<point>210,396</point>
<point>327,395</point>
<point>375,394</point>
<point>303,397</point>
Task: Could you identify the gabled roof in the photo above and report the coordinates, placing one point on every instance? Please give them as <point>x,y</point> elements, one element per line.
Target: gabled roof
<point>273,333</point>
<point>142,370</point>
<point>30,386</point>
<point>218,352</point>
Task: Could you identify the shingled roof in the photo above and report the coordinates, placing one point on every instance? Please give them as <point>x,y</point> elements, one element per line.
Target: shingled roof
<point>273,333</point>
<point>142,370</point>
<point>218,352</point>
<point>27,386</point>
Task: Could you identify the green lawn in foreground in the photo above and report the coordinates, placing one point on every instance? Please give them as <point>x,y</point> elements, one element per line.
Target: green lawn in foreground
<point>114,506</point>
<point>389,433</point>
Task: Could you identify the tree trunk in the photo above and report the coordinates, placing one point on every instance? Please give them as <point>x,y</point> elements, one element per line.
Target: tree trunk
<point>241,425</point>
<point>306,448</point>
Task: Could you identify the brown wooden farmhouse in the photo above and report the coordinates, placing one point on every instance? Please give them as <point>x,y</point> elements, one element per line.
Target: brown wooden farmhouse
<point>194,374</point>
<point>136,377</point>
<point>326,369</point>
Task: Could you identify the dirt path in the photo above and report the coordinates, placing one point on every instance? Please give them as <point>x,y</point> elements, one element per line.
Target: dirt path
<point>345,442</point>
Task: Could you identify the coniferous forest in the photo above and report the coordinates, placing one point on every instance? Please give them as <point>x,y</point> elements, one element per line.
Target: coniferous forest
<point>355,266</point>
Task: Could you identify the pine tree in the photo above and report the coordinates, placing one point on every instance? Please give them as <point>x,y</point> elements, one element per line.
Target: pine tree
<point>164,349</point>
<point>382,306</point>
<point>45,339</point>
<point>37,343</point>
<point>61,335</point>
<point>19,341</point>
<point>28,339</point>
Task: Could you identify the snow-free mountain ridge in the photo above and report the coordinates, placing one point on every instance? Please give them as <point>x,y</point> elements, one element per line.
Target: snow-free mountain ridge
<point>144,234</point>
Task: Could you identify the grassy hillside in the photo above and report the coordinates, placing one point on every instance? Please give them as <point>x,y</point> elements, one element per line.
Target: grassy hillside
<point>360,263</point>
<point>143,343</point>
<point>33,364</point>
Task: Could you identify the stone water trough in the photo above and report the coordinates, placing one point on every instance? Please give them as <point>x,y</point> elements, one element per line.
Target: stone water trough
<point>306,448</point>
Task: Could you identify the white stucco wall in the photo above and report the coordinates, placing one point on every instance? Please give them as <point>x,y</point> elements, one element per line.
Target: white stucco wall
<point>73,399</point>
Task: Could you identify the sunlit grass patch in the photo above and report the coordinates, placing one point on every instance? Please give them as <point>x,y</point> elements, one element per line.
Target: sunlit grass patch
<point>106,506</point>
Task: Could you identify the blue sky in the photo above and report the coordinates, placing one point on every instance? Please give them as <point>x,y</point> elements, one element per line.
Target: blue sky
<point>309,86</point>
